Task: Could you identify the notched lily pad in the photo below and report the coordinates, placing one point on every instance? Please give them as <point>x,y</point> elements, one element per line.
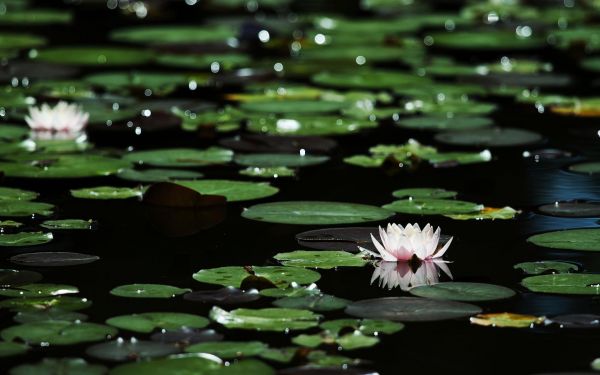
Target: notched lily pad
<point>320,259</point>
<point>280,277</point>
<point>546,266</point>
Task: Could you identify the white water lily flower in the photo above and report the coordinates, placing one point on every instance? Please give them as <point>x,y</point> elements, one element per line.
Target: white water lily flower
<point>63,117</point>
<point>401,274</point>
<point>404,243</point>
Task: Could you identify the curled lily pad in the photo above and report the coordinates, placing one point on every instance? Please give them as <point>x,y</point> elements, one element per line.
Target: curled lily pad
<point>147,291</point>
<point>180,157</point>
<point>315,213</point>
<point>546,266</point>
<point>108,192</point>
<point>53,259</point>
<point>25,239</point>
<point>147,322</point>
<point>19,208</point>
<point>487,213</point>
<point>280,277</point>
<point>564,283</point>
<point>233,191</point>
<point>463,291</point>
<point>224,296</point>
<point>430,206</point>
<point>123,350</point>
<point>38,290</point>
<point>57,332</point>
<point>27,304</point>
<point>270,319</point>
<point>410,309</point>
<point>68,366</point>
<point>506,320</point>
<point>229,349</point>
<point>321,259</point>
<point>570,239</point>
<point>68,224</point>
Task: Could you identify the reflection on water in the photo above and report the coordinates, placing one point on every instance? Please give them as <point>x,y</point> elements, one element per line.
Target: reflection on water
<point>407,275</point>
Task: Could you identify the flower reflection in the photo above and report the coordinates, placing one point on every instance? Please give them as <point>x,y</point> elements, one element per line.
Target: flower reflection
<point>407,275</point>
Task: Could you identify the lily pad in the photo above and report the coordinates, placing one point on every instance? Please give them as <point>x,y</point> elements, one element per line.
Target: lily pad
<point>564,283</point>
<point>315,213</point>
<point>68,224</point>
<point>369,327</point>
<point>268,172</point>
<point>229,349</point>
<point>587,239</point>
<point>270,319</point>
<point>304,125</point>
<point>347,239</point>
<point>38,290</point>
<point>506,320</point>
<point>293,106</point>
<point>487,213</point>
<point>577,321</point>
<point>57,332</point>
<point>148,291</point>
<point>320,259</point>
<point>434,193</point>
<point>411,309</point>
<point>463,291</point>
<point>367,79</point>
<point>20,41</point>
<point>95,56</point>
<point>432,206</point>
<point>9,349</point>
<point>63,366</point>
<point>34,17</point>
<point>158,175</point>
<point>494,137</point>
<point>186,336</point>
<point>321,302</point>
<point>192,364</point>
<point>439,123</point>
<point>108,192</point>
<point>25,239</point>
<point>279,160</point>
<point>280,277</point>
<point>47,315</point>
<point>180,157</point>
<point>233,191</point>
<point>571,209</point>
<point>487,40</point>
<point>53,259</point>
<point>147,322</point>
<point>63,166</point>
<point>224,296</point>
<point>173,34</point>
<point>13,194</point>
<point>14,278</point>
<point>546,266</point>
<point>123,350</point>
<point>19,208</point>
<point>28,304</point>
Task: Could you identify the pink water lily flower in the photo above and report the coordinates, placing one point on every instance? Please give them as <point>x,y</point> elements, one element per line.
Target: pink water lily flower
<point>63,117</point>
<point>402,244</point>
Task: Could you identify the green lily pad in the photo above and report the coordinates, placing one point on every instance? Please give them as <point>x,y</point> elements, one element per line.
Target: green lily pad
<point>268,172</point>
<point>488,213</point>
<point>233,191</point>
<point>433,193</point>
<point>46,315</point>
<point>180,157</point>
<point>308,125</point>
<point>57,332</point>
<point>367,79</point>
<point>62,366</point>
<point>9,224</point>
<point>321,259</point>
<point>29,304</point>
<point>148,322</point>
<point>39,290</point>
<point>438,123</point>
<point>279,160</point>
<point>463,291</point>
<point>494,137</point>
<point>95,56</point>
<point>192,364</point>
<point>588,167</point>
<point>546,266</point>
<point>68,224</point>
<point>487,40</point>
<point>108,192</point>
<point>158,175</point>
<point>159,83</point>
<point>229,349</point>
<point>63,166</point>
<point>270,319</point>
<point>148,291</point>
<point>20,208</point>
<point>34,17</point>
<point>315,213</point>
<point>293,106</point>
<point>25,239</point>
<point>424,206</point>
<point>349,341</point>
<point>321,302</point>
<point>9,349</point>
<point>14,278</point>
<point>124,350</point>
<point>587,239</point>
<point>14,41</point>
<point>292,291</point>
<point>13,132</point>
<point>371,327</point>
<point>173,34</point>
<point>564,283</point>
<point>233,276</point>
<point>224,61</point>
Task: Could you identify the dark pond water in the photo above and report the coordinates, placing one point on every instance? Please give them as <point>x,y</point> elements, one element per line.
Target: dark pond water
<point>136,244</point>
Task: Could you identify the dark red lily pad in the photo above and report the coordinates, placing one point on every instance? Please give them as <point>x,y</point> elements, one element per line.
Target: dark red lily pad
<point>53,259</point>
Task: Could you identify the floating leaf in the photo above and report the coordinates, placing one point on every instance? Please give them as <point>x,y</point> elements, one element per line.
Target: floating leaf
<point>67,224</point>
<point>587,239</point>
<point>270,319</point>
<point>304,125</point>
<point>25,239</point>
<point>13,194</point>
<point>64,303</point>
<point>229,349</point>
<point>350,341</point>
<point>487,213</point>
<point>67,366</point>
<point>19,208</point>
<point>269,172</point>
<point>293,106</point>
<point>48,315</point>
<point>365,326</point>
<point>14,278</point>
<point>192,364</point>
<point>57,332</point>
<point>321,302</point>
<point>9,349</point>
<point>123,350</point>
<point>38,290</point>
<point>564,283</point>
<point>224,296</point>
<point>495,137</point>
<point>174,34</point>
<point>439,123</point>
<point>506,320</point>
<point>108,192</point>
<point>53,259</point>
<point>148,322</point>
<point>180,157</point>
<point>9,224</point>
<point>577,321</point>
<point>571,209</point>
<point>186,336</point>
<point>279,160</point>
<point>433,193</point>
<point>63,166</point>
<point>148,291</point>
<point>158,175</point>
<point>292,291</point>
<point>321,259</point>
<point>546,266</point>
<point>233,191</point>
<point>424,206</point>
<point>486,40</point>
<point>463,291</point>
<point>315,213</point>
<point>94,56</point>
<point>280,277</point>
<point>589,167</point>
